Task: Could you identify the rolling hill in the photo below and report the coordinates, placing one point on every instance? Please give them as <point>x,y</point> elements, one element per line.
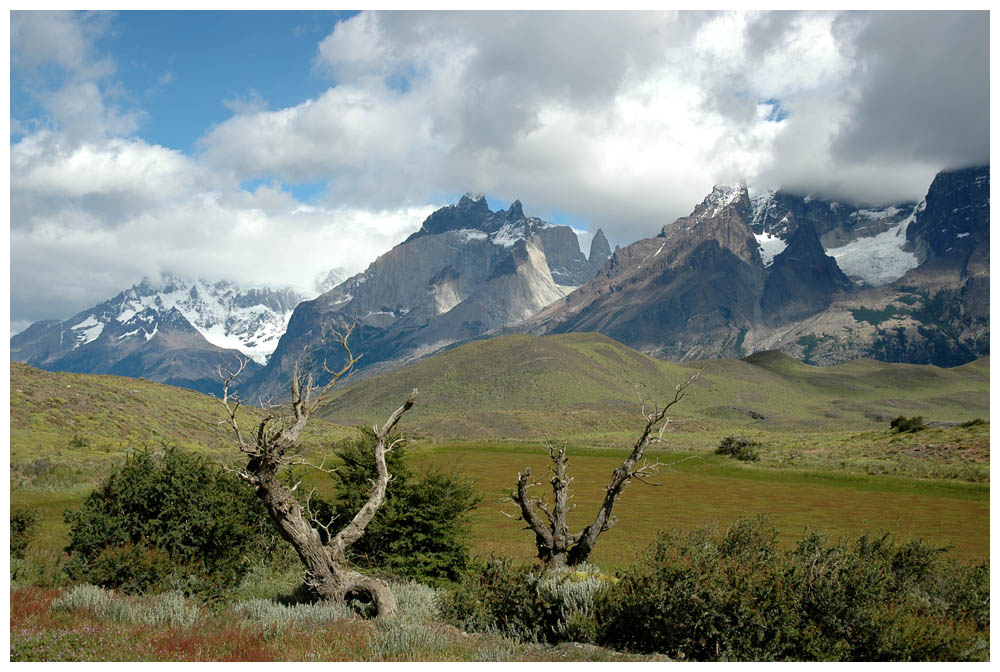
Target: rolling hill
<point>588,386</point>
<point>88,420</point>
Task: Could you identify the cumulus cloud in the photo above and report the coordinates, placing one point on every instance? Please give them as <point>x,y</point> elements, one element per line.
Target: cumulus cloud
<point>620,120</point>
<point>88,221</point>
<point>54,54</point>
<point>627,119</point>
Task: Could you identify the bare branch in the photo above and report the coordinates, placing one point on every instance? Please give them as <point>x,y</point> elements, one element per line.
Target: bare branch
<point>270,446</point>
<point>354,529</point>
<point>300,462</point>
<point>556,545</point>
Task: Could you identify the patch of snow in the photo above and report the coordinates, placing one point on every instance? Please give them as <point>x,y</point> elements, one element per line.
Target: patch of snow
<point>961,235</point>
<point>87,331</point>
<point>131,333</point>
<point>91,321</point>
<point>877,260</point>
<point>722,197</point>
<point>126,315</point>
<point>152,333</point>
<point>509,234</point>
<point>884,213</point>
<point>659,250</point>
<point>761,203</point>
<point>770,247</point>
<point>471,234</point>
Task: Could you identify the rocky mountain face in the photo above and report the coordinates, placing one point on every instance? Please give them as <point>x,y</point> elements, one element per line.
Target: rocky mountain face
<point>468,270</point>
<point>600,251</point>
<point>172,330</point>
<point>938,310</point>
<point>824,281</point>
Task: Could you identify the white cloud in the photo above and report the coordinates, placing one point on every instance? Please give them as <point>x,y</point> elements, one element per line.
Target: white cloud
<point>621,120</point>
<point>100,216</point>
<point>54,53</point>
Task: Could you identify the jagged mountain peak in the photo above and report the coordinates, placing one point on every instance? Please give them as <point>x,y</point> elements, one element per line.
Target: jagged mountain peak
<point>474,202</point>
<point>515,211</point>
<point>600,250</point>
<point>228,316</point>
<point>723,196</point>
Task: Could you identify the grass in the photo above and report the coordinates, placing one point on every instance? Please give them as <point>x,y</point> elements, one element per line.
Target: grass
<point>586,387</point>
<point>704,487</point>
<point>87,624</point>
<point>67,429</point>
<point>827,462</point>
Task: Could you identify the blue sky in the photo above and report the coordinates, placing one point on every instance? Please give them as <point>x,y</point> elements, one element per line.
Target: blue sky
<point>270,147</point>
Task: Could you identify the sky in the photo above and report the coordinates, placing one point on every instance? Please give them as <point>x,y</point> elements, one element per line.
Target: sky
<point>270,147</point>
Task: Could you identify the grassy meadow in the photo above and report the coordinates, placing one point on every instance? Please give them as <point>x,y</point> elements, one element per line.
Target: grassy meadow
<point>827,462</point>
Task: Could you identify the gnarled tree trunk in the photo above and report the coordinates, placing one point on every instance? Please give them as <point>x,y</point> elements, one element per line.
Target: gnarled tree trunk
<point>268,449</point>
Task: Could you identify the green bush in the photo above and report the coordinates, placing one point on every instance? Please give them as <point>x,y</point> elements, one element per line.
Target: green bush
<point>170,521</point>
<point>741,447</point>
<point>734,595</point>
<point>22,530</point>
<point>902,425</point>
<point>421,531</point>
<point>527,602</point>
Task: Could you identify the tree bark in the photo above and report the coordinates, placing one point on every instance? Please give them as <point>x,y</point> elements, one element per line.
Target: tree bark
<point>268,446</point>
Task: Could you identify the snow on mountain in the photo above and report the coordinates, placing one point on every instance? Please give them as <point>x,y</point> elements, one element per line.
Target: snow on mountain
<point>250,320</point>
<point>770,247</point>
<point>878,260</point>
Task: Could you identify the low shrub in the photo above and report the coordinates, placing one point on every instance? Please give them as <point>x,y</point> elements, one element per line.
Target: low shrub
<point>170,521</point>
<point>422,530</point>
<point>168,609</point>
<point>733,595</point>
<point>22,530</point>
<point>41,568</point>
<point>527,602</point>
<point>742,448</point>
<point>903,425</point>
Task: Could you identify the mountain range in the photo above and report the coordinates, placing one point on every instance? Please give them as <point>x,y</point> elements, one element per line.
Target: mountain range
<point>170,330</point>
<point>821,280</point>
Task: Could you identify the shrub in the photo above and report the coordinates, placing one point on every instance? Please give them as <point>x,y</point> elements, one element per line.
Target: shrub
<point>902,425</point>
<point>527,603</point>
<point>741,447</point>
<point>421,531</point>
<point>22,530</point>
<point>170,521</point>
<point>166,609</point>
<point>734,595</point>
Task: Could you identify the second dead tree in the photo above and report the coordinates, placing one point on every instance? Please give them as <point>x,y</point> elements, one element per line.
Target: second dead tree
<point>557,546</point>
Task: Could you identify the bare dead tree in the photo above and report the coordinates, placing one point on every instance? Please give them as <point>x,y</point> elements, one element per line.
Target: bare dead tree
<point>557,546</point>
<point>271,445</point>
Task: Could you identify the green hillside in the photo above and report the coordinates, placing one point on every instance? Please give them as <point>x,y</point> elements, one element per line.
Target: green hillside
<point>585,386</point>
<point>827,458</point>
<point>80,423</point>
